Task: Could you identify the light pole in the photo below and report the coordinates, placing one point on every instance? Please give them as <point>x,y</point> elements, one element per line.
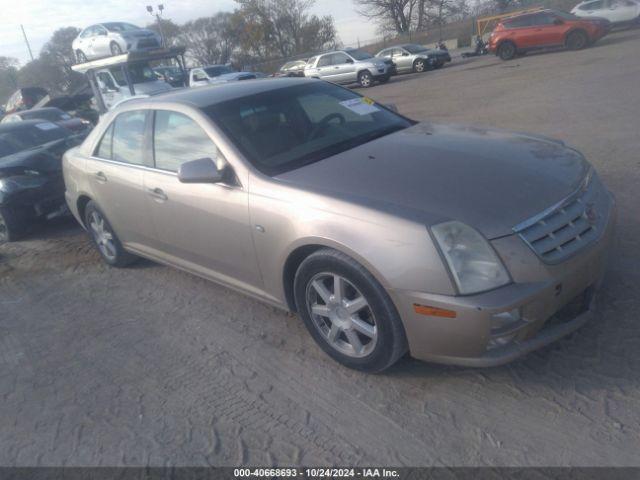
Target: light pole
<point>26,40</point>
<point>159,18</point>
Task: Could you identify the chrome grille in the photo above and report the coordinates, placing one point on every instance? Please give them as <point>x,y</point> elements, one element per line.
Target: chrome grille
<point>567,227</point>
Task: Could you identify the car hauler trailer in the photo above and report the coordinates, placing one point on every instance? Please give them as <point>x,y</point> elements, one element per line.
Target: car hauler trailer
<point>114,79</point>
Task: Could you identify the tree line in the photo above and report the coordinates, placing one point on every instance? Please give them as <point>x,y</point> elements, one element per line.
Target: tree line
<point>256,31</point>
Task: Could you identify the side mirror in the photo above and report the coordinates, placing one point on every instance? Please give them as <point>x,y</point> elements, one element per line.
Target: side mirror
<point>203,170</point>
<point>392,106</point>
<point>557,21</point>
<point>349,60</point>
<point>405,54</point>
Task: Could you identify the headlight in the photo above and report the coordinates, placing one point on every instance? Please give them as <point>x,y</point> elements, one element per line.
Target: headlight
<point>472,261</point>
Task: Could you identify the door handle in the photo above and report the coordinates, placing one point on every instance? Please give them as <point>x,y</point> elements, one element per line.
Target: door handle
<point>158,194</point>
<point>101,177</point>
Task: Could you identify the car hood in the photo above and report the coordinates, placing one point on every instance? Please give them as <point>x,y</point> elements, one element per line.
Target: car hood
<point>487,178</point>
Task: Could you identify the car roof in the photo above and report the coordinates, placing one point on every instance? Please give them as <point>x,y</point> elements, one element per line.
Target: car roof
<point>526,14</point>
<point>202,97</point>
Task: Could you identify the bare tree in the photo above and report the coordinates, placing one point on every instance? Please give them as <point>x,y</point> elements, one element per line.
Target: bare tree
<point>170,31</point>
<point>391,15</point>
<point>285,27</point>
<point>209,40</point>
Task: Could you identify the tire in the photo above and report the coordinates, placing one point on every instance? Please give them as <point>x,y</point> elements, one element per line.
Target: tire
<point>419,66</point>
<point>81,57</point>
<point>507,51</point>
<point>365,79</point>
<point>577,40</point>
<point>115,49</point>
<point>12,226</point>
<point>372,342</point>
<point>104,238</point>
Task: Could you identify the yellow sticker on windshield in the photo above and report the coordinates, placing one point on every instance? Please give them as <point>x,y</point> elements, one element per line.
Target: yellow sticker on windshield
<point>368,101</point>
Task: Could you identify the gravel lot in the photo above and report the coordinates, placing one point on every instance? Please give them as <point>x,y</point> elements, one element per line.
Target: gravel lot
<point>150,365</point>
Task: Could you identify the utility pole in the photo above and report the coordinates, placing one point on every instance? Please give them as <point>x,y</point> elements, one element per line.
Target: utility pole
<point>26,40</point>
<point>159,18</point>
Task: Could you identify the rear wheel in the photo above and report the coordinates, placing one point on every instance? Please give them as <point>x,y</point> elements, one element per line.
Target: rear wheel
<point>365,79</point>
<point>506,51</point>
<point>419,66</point>
<point>577,40</point>
<point>347,312</point>
<point>115,49</point>
<point>105,238</point>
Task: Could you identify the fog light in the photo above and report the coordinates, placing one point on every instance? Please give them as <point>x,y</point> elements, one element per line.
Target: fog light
<point>502,322</point>
<point>504,328</point>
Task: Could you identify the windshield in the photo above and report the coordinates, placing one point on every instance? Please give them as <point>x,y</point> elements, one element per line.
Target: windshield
<point>218,70</point>
<point>51,115</point>
<point>120,27</point>
<point>139,72</point>
<point>284,129</point>
<point>169,70</point>
<point>23,138</point>
<point>415,48</point>
<point>359,54</point>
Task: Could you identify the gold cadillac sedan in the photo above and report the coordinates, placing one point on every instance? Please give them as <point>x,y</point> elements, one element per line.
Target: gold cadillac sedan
<point>456,244</point>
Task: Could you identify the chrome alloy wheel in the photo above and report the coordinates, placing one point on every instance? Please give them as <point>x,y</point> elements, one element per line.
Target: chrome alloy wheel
<point>102,235</point>
<point>342,315</point>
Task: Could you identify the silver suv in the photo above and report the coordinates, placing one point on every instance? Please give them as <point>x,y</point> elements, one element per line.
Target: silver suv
<point>348,66</point>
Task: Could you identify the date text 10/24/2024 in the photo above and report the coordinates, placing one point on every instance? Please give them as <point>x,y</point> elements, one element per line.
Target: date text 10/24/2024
<point>317,472</point>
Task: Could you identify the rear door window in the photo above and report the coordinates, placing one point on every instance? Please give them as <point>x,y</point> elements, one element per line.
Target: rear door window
<point>518,22</point>
<point>128,137</point>
<point>103,150</point>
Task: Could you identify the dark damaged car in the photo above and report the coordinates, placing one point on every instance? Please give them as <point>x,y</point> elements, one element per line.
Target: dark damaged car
<point>31,183</point>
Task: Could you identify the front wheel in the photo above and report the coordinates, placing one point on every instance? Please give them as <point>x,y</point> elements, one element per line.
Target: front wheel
<point>419,66</point>
<point>365,79</point>
<point>507,51</point>
<point>348,313</point>
<point>577,40</point>
<point>11,225</point>
<point>105,239</point>
<point>115,49</point>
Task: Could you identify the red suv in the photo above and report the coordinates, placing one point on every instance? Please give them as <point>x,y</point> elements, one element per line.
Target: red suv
<point>542,29</point>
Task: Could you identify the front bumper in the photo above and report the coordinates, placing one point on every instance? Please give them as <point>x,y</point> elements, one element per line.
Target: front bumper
<point>545,295</point>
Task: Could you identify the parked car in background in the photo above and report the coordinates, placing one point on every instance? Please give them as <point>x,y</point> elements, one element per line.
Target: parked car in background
<point>292,69</point>
<point>114,88</point>
<point>414,58</point>
<point>381,232</point>
<point>349,66</point>
<point>544,29</point>
<point>112,38</point>
<point>174,76</point>
<point>31,183</point>
<point>212,74</point>
<point>24,98</point>
<point>51,114</point>
<point>616,11</point>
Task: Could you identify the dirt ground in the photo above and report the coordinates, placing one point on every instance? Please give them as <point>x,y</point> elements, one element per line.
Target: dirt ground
<point>152,366</point>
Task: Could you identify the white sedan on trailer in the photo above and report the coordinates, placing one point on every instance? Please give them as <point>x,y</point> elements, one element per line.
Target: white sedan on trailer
<point>616,11</point>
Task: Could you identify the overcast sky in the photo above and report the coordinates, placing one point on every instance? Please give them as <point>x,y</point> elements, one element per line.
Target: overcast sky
<point>42,17</point>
